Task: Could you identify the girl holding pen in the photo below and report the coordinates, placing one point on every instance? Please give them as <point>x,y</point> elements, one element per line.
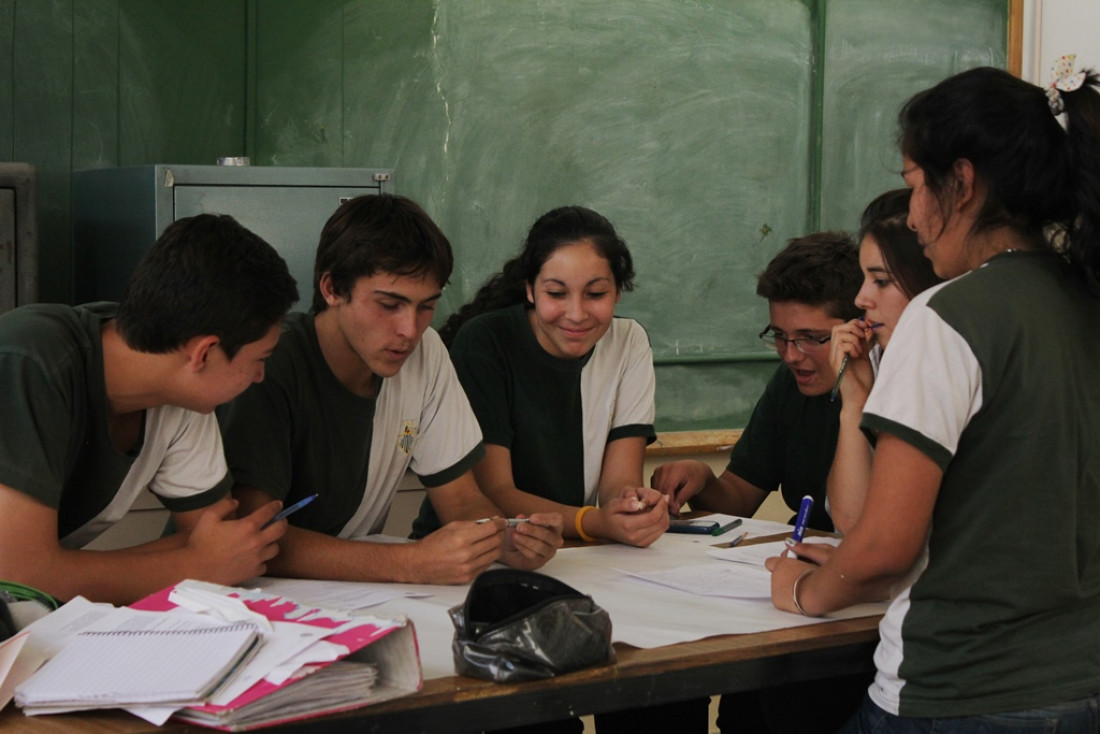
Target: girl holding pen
<point>563,390</point>
<point>564,393</point>
<point>982,517</point>
<point>894,270</point>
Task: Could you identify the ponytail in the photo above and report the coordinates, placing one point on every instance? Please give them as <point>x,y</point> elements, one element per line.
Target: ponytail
<point>1041,180</point>
<point>1082,109</point>
<point>502,290</point>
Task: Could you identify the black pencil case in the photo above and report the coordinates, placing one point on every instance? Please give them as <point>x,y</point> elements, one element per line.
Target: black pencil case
<point>520,625</point>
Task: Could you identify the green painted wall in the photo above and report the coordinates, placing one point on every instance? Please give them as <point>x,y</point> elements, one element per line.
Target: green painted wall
<point>708,132</point>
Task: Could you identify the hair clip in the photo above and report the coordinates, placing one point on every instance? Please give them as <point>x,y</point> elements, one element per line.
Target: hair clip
<point>1063,79</point>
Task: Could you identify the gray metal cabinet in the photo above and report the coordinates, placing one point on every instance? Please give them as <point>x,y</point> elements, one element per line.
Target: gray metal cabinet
<point>119,212</point>
<point>18,235</point>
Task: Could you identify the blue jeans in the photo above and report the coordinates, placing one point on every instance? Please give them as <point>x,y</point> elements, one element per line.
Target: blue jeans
<point>1073,717</point>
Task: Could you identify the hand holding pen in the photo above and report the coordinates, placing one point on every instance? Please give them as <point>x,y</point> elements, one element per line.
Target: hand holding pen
<point>291,509</point>
<point>531,541</point>
<point>849,348</point>
<point>636,516</point>
<point>801,522</point>
<point>680,481</point>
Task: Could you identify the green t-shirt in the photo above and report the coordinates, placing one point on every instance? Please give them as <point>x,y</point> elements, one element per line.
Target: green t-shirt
<point>56,446</point>
<point>789,444</point>
<point>300,432</point>
<point>555,416</point>
<point>994,376</point>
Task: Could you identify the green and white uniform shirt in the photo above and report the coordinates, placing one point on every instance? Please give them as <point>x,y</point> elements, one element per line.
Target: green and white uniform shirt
<point>300,432</point>
<point>556,416</point>
<point>994,376</point>
<point>55,445</point>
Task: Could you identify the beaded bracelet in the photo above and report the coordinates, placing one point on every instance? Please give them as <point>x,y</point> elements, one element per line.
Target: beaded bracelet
<point>577,522</point>
<point>794,592</point>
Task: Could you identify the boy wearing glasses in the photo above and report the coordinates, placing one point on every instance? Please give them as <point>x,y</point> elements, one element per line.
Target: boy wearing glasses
<point>791,436</point>
<point>788,444</point>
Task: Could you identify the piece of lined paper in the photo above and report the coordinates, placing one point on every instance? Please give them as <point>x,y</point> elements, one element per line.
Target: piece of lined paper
<point>119,667</point>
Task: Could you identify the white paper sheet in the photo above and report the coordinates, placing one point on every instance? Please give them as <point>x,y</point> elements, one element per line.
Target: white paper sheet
<point>757,555</point>
<point>644,615</point>
<point>350,596</point>
<point>707,579</point>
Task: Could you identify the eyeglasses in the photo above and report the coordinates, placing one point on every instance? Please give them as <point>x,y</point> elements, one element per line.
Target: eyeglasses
<point>804,344</point>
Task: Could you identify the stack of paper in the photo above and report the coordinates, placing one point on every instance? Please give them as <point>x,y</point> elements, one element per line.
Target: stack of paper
<point>342,685</point>
<point>219,656</point>
<point>131,667</point>
<point>296,674</point>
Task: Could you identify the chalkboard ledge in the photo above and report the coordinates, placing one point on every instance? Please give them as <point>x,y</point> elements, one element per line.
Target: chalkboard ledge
<point>678,443</point>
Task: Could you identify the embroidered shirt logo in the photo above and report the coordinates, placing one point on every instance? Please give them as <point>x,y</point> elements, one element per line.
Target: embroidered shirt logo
<point>407,438</point>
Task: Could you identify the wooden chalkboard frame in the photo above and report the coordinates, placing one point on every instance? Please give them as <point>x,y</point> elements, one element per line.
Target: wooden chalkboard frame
<point>1015,41</point>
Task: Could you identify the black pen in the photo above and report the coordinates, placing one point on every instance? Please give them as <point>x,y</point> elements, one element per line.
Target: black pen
<point>844,366</point>
<point>839,375</point>
<point>726,528</point>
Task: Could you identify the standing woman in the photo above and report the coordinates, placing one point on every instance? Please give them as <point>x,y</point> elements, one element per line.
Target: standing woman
<point>894,270</point>
<point>983,513</point>
<point>563,390</point>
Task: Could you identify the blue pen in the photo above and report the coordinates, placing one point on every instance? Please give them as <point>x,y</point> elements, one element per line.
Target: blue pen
<point>800,521</point>
<point>293,508</point>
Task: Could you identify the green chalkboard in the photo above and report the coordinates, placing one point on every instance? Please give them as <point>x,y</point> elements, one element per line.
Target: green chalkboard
<point>709,132</point>
<point>686,124</point>
<point>877,54</point>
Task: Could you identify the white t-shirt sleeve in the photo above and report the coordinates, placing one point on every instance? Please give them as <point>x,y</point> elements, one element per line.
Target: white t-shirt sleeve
<point>193,460</point>
<point>634,403</point>
<point>929,384</point>
<point>449,430</point>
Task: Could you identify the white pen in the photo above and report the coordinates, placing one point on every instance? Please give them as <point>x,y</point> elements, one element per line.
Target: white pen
<point>512,521</point>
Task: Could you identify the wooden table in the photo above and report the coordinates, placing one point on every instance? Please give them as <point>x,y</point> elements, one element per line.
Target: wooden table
<point>456,704</point>
<point>638,678</point>
<point>681,443</point>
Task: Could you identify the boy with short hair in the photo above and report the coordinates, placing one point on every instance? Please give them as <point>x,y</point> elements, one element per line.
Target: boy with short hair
<point>788,444</point>
<point>105,401</point>
<point>790,438</point>
<point>358,391</point>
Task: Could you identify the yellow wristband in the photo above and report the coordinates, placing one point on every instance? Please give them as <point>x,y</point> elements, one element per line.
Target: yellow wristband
<point>579,524</point>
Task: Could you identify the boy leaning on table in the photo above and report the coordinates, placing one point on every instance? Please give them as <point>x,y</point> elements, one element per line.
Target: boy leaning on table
<point>788,444</point>
<point>360,390</point>
<point>105,401</point>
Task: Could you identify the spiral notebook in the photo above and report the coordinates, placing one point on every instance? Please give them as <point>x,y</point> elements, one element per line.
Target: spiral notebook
<point>378,659</point>
<point>114,668</point>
